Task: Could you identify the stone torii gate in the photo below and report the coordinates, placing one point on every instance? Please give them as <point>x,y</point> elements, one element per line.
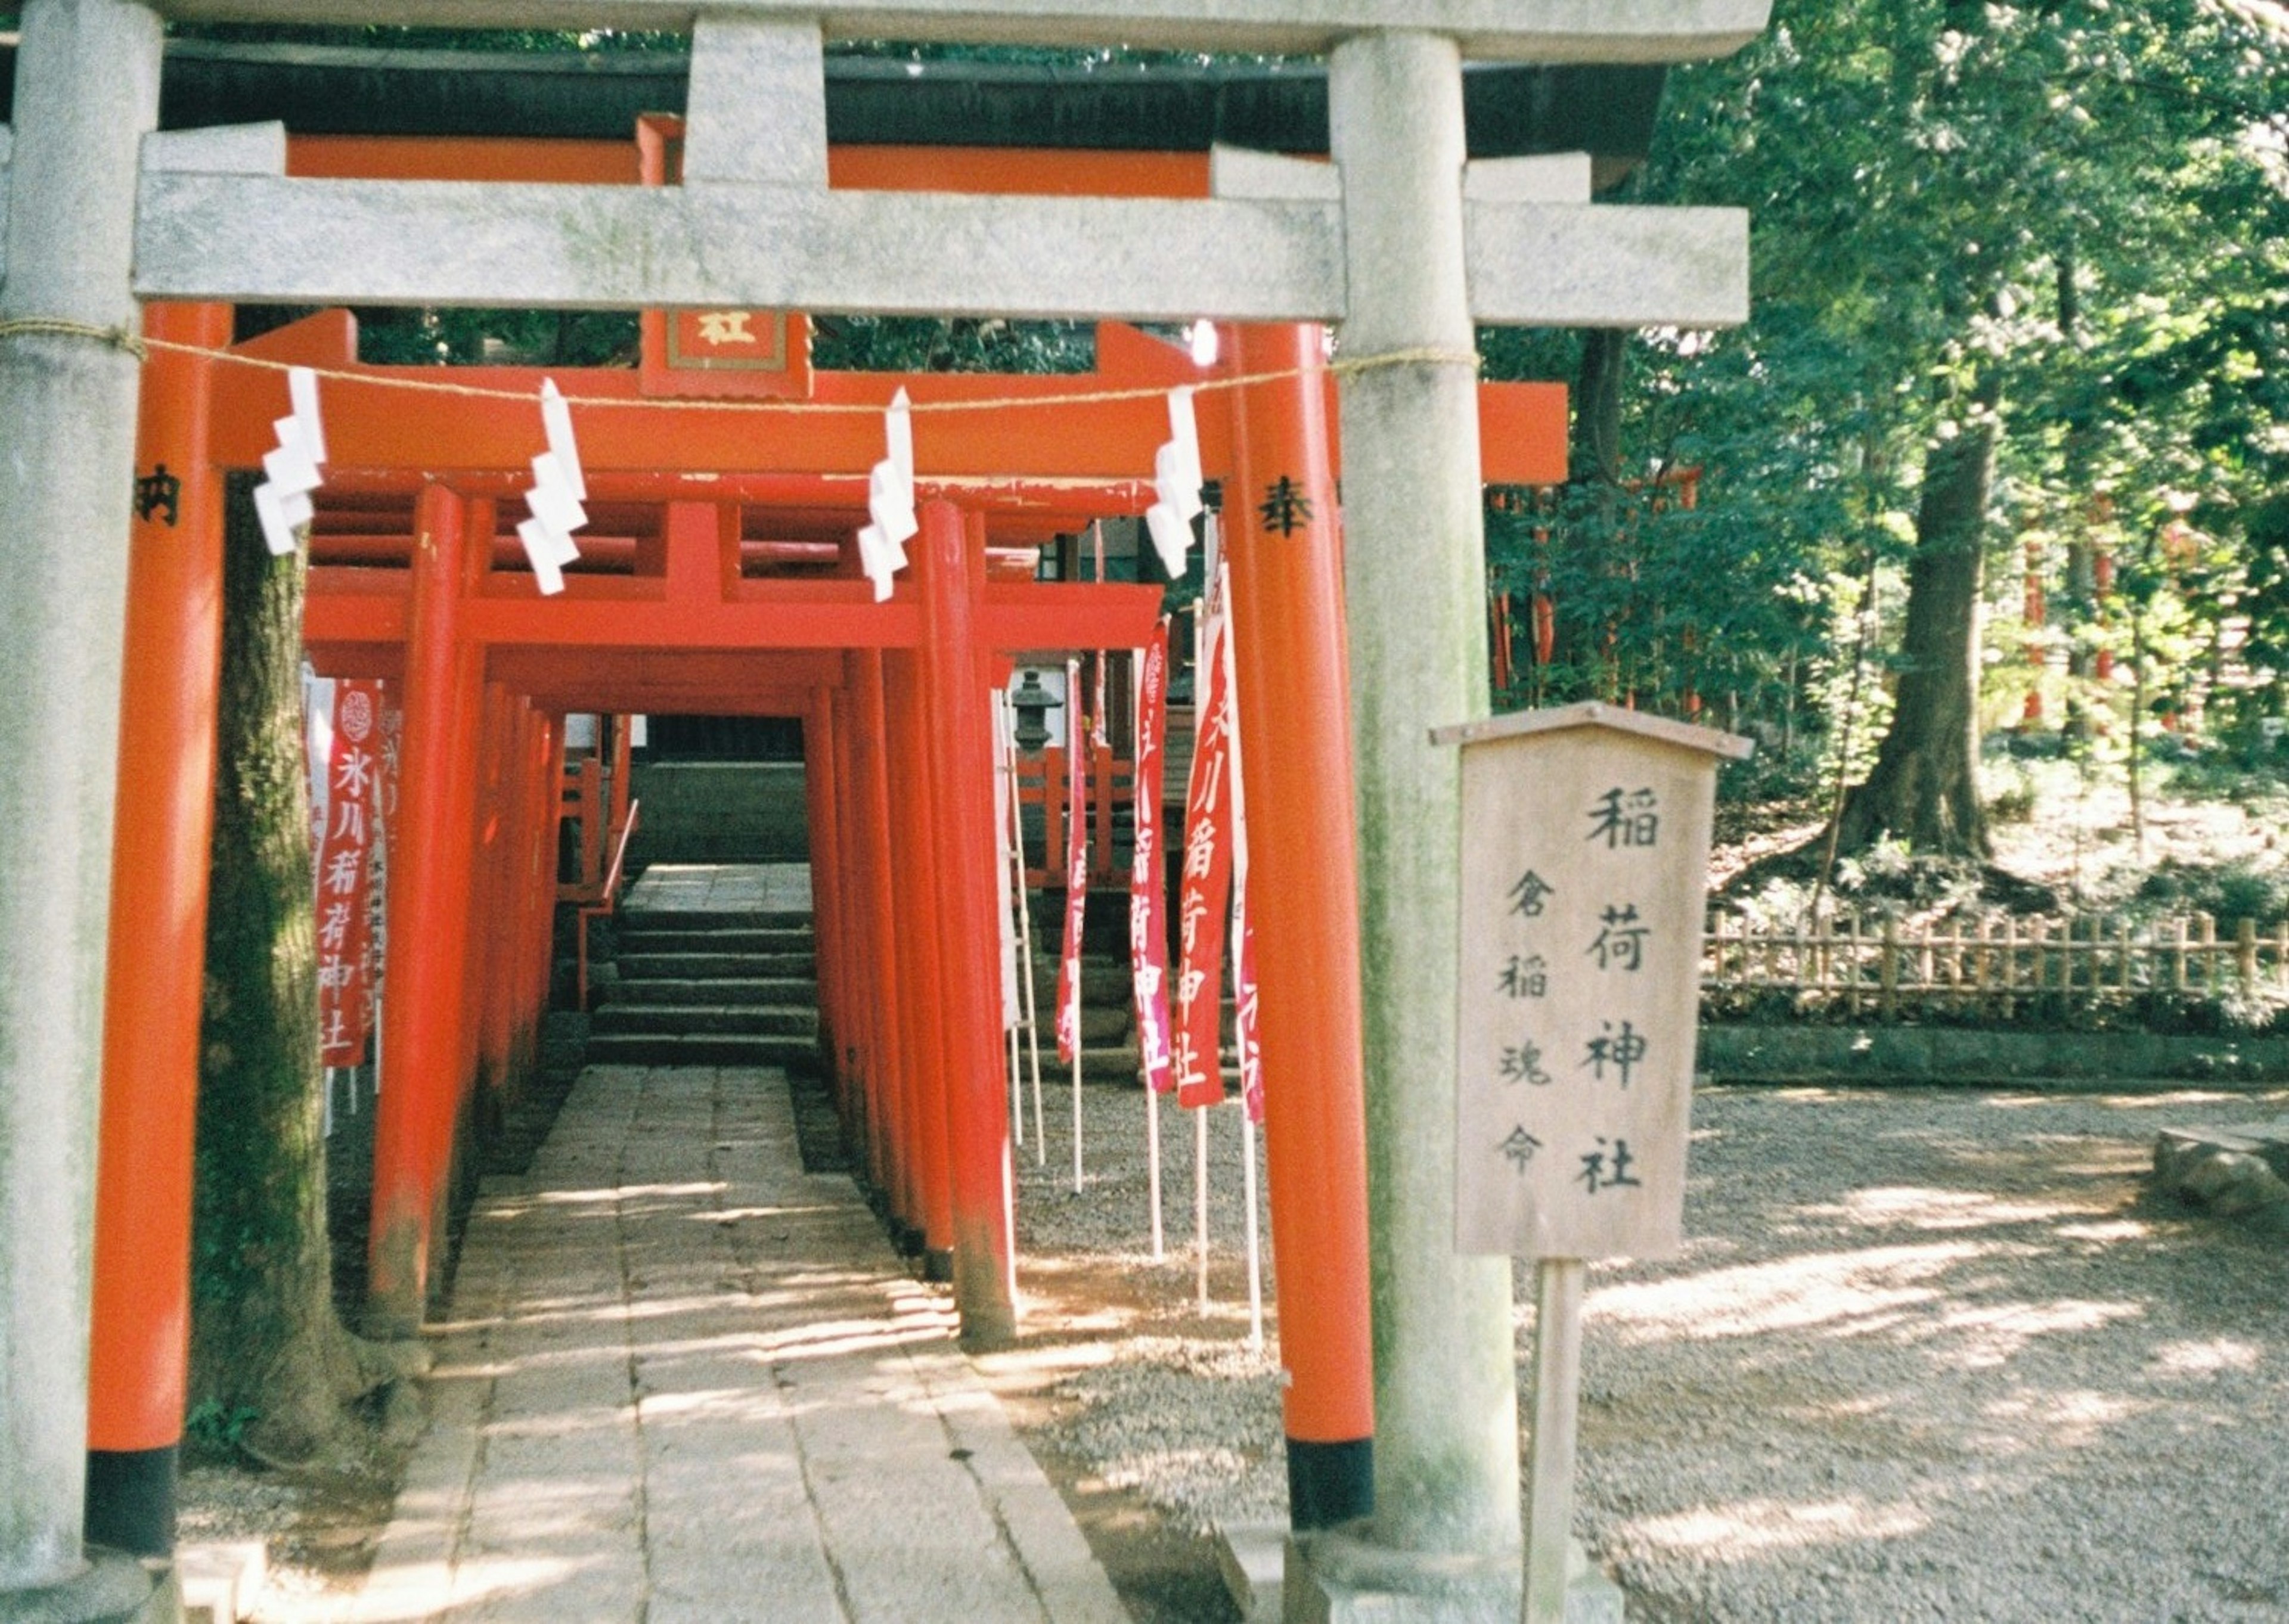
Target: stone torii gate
<point>1411,251</point>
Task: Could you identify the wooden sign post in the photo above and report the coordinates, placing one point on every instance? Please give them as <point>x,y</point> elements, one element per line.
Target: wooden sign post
<point>1585,851</point>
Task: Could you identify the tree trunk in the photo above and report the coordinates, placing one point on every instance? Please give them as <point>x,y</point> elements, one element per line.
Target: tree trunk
<point>1598,405</point>
<point>268,1348</point>
<point>1924,786</point>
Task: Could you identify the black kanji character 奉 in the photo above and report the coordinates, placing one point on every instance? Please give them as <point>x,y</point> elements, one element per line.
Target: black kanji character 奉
<point>1284,508</point>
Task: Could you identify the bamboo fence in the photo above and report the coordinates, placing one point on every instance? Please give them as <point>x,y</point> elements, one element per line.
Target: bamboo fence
<point>1993,965</point>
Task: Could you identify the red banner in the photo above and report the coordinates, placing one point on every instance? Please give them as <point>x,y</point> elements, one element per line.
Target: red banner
<point>1243,929</point>
<point>1076,867</point>
<point>393,737</point>
<point>1148,921</point>
<point>344,870</point>
<point>1202,900</point>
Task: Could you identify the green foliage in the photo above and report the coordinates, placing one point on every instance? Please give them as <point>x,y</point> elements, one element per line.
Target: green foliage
<point>2084,204</point>
<point>218,1429</point>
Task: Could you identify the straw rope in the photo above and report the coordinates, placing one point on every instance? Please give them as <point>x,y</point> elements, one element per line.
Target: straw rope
<point>56,327</point>
<point>1341,366</point>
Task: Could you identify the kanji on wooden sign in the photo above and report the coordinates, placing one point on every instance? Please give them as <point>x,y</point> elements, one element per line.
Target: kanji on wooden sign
<point>1585,846</point>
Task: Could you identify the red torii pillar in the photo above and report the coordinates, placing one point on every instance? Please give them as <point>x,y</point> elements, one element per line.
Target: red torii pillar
<point>428,908</point>
<point>822,798</point>
<point>858,1060</point>
<point>542,797</point>
<point>914,810</point>
<point>141,1327</point>
<point>489,986</point>
<point>951,573</point>
<point>889,991</point>
<point>1302,904</point>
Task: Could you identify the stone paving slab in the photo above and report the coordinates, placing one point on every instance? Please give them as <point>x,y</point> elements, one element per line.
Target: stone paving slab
<point>683,1379</point>
<point>713,888</point>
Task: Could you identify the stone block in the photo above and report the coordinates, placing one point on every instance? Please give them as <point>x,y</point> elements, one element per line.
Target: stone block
<point>220,1581</point>
<point>1337,1578</point>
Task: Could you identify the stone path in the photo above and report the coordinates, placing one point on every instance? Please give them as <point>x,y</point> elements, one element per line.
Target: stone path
<point>682,1380</point>
<point>722,886</point>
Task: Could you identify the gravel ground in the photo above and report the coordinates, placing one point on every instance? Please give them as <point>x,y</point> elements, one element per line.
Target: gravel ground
<point>1929,1355</point>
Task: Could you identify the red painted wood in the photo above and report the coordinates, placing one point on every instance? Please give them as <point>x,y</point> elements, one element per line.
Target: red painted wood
<point>913,809</point>
<point>429,919</point>
<point>1294,693</point>
<point>141,1314</point>
<point>950,556</point>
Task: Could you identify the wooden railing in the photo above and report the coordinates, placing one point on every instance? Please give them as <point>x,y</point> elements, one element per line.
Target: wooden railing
<point>1042,789</point>
<point>608,900</point>
<point>1881,969</point>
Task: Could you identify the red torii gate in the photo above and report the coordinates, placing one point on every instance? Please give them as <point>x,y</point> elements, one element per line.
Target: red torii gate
<point>896,739</point>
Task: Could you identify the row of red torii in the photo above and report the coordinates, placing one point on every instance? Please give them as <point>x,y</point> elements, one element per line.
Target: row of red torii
<point>730,586</point>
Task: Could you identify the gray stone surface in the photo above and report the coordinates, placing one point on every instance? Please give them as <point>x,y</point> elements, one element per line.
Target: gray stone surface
<point>684,1380</point>
<point>1336,1579</point>
<point>722,812</point>
<point>2240,1172</point>
<point>87,87</point>
<point>1446,1446</point>
<point>1551,31</point>
<point>342,241</point>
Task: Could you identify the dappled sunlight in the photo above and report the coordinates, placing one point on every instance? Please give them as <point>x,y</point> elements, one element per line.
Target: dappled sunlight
<point>1897,1207</point>
<point>400,1592</point>
<point>2072,1418</point>
<point>1741,1530</point>
<point>1841,1290</point>
<point>1993,1335</point>
<point>2206,1358</point>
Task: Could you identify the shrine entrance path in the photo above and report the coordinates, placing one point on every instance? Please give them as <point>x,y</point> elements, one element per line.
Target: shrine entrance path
<point>683,1379</point>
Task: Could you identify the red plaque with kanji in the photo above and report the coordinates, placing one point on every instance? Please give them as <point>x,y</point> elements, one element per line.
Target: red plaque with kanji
<point>722,354</point>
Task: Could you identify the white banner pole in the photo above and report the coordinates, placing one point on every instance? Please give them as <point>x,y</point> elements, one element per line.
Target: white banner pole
<point>1201,1197</point>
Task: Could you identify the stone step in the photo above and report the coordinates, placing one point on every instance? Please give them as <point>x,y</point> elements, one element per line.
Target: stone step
<point>782,1020</point>
<point>1103,1023</point>
<point>716,918</point>
<point>711,967</point>
<point>1101,983</point>
<point>717,990</point>
<point>702,1049</point>
<point>677,939</point>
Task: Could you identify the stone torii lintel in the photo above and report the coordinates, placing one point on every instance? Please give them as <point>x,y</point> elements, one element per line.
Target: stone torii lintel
<point>1486,30</point>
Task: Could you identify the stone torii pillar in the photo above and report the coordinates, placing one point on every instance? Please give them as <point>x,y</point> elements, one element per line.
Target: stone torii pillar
<point>87,89</point>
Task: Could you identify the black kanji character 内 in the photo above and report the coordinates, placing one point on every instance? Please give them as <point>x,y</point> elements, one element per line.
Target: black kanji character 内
<point>159,489</point>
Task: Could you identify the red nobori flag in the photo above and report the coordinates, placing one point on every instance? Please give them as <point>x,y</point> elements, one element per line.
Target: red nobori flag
<point>1243,928</point>
<point>345,868</point>
<point>1148,924</point>
<point>1076,867</point>
<point>1208,870</point>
